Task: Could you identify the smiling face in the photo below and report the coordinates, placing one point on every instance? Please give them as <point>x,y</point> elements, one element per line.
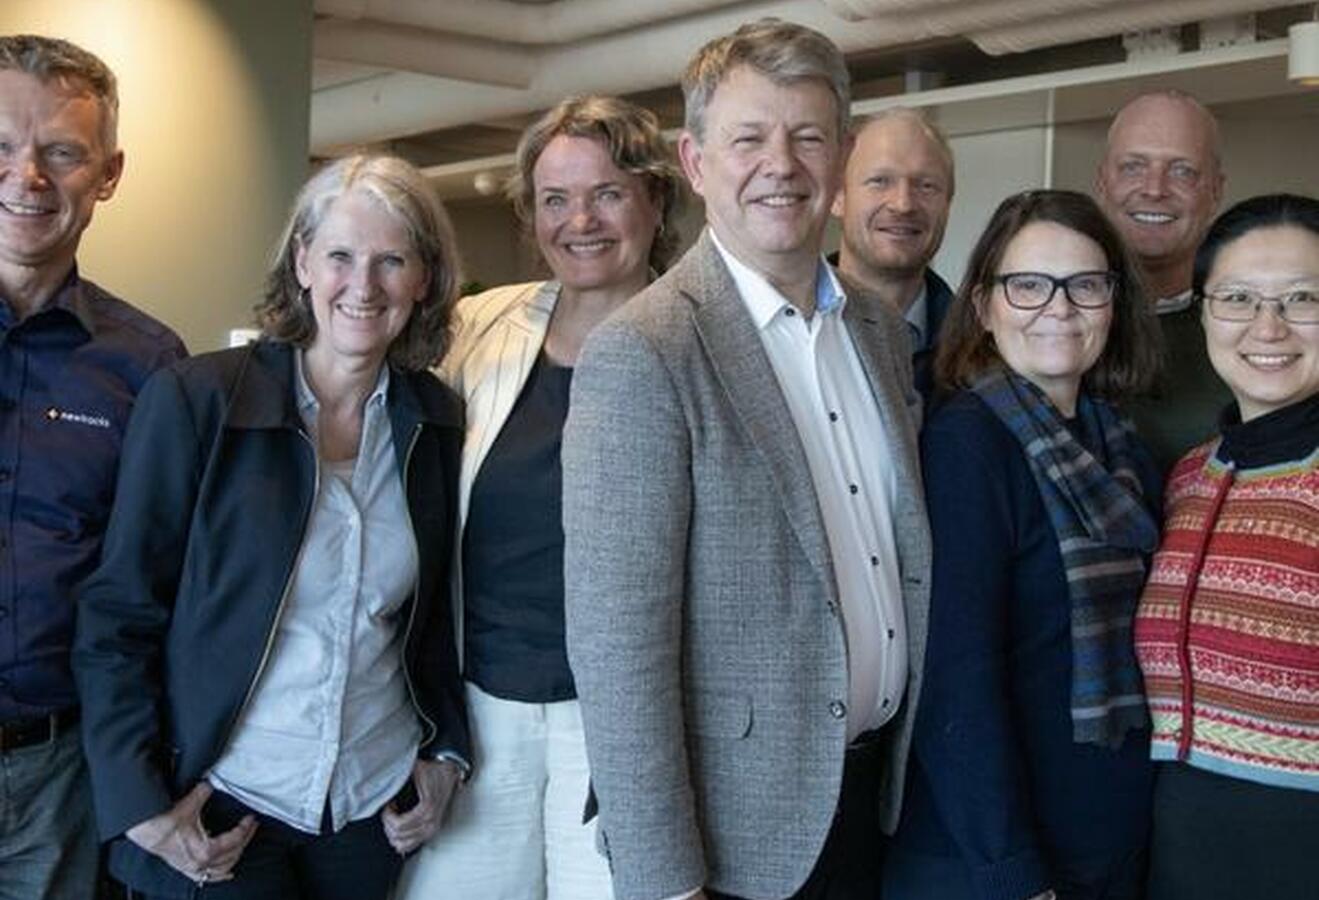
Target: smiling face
<point>1267,363</point>
<point>1159,182</point>
<point>364,276</point>
<point>897,189</point>
<point>594,222</point>
<point>1053,346</point>
<point>768,169</point>
<point>53,170</point>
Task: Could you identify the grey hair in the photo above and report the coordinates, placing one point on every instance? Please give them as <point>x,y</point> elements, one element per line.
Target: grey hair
<point>286,315</point>
<point>782,51</point>
<point>53,59</point>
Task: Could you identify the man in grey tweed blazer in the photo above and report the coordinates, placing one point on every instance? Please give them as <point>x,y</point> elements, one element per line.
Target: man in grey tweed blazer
<point>747,554</point>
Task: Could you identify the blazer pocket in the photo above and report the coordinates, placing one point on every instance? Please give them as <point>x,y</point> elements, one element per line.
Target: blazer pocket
<point>720,715</point>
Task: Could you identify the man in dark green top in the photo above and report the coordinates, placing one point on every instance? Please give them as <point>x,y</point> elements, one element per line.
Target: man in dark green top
<point>1160,182</point>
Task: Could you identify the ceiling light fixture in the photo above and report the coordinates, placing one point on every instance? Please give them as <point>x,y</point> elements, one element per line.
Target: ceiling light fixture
<point>1303,52</point>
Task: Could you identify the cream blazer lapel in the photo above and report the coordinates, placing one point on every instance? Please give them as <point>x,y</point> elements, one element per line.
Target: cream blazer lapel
<point>498,335</point>
<point>498,339</point>
<point>744,372</point>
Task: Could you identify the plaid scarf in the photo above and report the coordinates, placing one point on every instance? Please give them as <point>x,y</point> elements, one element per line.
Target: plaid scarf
<point>1105,534</point>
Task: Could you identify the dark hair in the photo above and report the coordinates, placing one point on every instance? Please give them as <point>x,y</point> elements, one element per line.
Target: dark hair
<point>53,59</point>
<point>783,52</point>
<point>631,135</point>
<point>286,314</point>
<point>1131,356</point>
<point>1265,211</point>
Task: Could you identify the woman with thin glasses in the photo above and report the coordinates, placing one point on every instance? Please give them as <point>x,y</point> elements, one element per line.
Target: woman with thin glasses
<point>1228,628</point>
<point>1032,777</point>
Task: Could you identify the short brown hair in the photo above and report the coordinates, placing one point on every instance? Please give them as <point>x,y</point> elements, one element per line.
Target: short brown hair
<point>1131,356</point>
<point>52,59</point>
<point>631,135</point>
<point>783,52</point>
<point>286,313</point>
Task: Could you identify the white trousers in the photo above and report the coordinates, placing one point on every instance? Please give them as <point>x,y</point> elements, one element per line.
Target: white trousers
<point>514,831</point>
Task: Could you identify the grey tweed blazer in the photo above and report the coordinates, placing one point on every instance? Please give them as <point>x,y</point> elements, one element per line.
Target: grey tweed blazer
<point>702,618</point>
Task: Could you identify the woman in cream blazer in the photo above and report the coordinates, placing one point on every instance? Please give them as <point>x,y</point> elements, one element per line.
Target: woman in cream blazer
<point>594,183</point>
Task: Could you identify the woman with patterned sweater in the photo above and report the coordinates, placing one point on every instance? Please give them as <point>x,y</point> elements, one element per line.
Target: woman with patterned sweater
<point>1228,628</point>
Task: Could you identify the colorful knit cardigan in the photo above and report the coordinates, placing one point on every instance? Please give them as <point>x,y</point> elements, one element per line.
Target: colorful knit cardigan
<point>1246,627</point>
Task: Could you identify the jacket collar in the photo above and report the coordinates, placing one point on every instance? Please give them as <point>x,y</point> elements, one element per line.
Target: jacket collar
<point>939,297</point>
<point>73,297</point>
<point>70,298</point>
<point>534,316</point>
<point>263,396</point>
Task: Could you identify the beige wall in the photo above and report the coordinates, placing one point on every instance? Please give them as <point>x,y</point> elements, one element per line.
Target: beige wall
<point>490,242</point>
<point>214,98</point>
<point>1268,146</point>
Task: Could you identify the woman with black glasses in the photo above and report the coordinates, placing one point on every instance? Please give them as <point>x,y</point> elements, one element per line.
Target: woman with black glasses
<point>1032,777</point>
<point>1228,629</point>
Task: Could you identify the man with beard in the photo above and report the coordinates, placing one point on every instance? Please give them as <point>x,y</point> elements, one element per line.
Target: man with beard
<point>1160,182</point>
<point>897,189</point>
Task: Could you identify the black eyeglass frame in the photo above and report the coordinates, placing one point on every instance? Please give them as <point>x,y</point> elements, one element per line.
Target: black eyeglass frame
<point>1113,278</point>
<point>1284,302</point>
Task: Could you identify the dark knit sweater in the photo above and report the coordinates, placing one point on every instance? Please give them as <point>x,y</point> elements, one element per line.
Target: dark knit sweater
<point>1183,409</point>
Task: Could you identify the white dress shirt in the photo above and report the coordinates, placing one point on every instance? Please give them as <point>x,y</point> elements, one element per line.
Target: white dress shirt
<point>847,452</point>
<point>330,720</point>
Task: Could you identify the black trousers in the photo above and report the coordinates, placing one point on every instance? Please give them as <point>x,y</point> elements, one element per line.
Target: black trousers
<point>1223,838</point>
<point>851,865</point>
<point>283,863</point>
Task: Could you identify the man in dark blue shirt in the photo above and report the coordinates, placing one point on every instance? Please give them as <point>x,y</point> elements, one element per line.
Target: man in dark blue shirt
<point>72,358</point>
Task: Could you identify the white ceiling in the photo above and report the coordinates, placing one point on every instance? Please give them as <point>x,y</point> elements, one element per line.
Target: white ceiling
<point>448,80</point>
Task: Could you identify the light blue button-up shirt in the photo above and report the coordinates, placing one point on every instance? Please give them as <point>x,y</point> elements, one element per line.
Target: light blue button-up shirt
<point>331,721</point>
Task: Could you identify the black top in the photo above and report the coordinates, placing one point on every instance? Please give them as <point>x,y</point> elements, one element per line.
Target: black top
<point>513,551</point>
<point>1276,437</point>
<point>1000,786</point>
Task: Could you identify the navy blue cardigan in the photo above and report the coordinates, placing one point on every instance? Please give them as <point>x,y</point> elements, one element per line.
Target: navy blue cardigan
<point>999,786</point>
